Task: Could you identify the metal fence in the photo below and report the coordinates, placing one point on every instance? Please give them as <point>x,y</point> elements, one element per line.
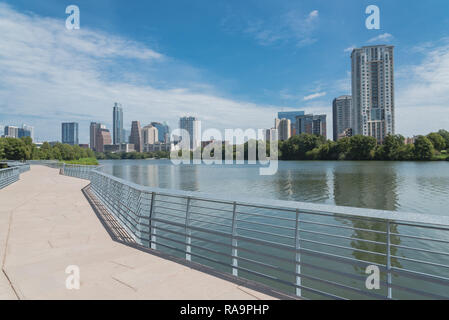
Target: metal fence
<point>12,174</point>
<point>311,251</point>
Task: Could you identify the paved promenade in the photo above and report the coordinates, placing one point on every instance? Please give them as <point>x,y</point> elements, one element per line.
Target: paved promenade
<point>47,224</point>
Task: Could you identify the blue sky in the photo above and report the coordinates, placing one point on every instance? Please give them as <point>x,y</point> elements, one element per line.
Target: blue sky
<point>231,63</point>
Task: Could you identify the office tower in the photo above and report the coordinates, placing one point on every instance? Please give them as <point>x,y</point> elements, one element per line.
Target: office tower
<point>11,132</point>
<point>150,134</point>
<point>70,133</point>
<point>285,132</point>
<point>136,136</point>
<point>341,116</point>
<point>192,127</point>
<point>312,124</point>
<point>291,115</point>
<point>163,131</point>
<point>102,139</point>
<point>94,127</point>
<point>271,134</point>
<point>117,124</point>
<point>26,131</point>
<point>319,125</point>
<point>373,91</point>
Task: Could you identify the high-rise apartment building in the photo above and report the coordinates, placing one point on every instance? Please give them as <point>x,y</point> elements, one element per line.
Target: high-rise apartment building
<point>150,134</point>
<point>102,139</point>
<point>284,129</point>
<point>11,131</point>
<point>26,131</point>
<point>117,124</point>
<point>373,91</point>
<point>291,115</point>
<point>136,136</point>
<point>192,127</point>
<point>341,116</point>
<point>69,133</point>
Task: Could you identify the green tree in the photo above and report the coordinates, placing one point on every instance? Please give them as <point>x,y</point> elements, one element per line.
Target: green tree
<point>437,140</point>
<point>391,148</point>
<point>423,148</point>
<point>362,147</point>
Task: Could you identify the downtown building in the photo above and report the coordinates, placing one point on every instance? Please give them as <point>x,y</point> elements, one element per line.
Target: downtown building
<point>312,124</point>
<point>191,127</point>
<point>291,115</point>
<point>103,139</point>
<point>284,127</point>
<point>118,134</point>
<point>342,117</point>
<point>69,133</point>
<point>373,111</point>
<point>135,137</point>
<point>93,130</point>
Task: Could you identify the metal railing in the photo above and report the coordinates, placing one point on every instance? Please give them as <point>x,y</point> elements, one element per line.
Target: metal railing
<point>311,251</point>
<point>12,174</point>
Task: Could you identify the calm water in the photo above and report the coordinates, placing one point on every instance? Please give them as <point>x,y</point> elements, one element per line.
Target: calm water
<point>421,187</point>
<point>397,186</point>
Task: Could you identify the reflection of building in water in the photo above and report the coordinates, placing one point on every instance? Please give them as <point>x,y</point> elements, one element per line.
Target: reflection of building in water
<point>372,187</point>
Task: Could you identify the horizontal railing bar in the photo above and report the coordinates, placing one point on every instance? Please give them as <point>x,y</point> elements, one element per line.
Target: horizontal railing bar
<point>342,247</point>
<point>420,275</point>
<point>342,227</point>
<point>419,249</point>
<point>217,209</point>
<point>419,238</point>
<point>341,237</point>
<point>266,232</point>
<point>209,215</point>
<point>266,224</point>
<point>421,261</point>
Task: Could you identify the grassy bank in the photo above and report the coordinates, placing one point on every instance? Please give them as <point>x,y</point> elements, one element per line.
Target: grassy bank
<point>83,161</point>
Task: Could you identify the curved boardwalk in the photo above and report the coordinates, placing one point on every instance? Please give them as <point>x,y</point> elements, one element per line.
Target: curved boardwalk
<point>47,224</point>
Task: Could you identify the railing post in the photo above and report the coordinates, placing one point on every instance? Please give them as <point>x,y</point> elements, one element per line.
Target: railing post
<point>151,223</point>
<point>297,255</point>
<point>390,293</point>
<point>188,232</point>
<point>235,263</point>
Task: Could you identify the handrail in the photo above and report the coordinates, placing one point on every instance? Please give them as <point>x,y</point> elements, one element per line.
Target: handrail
<point>303,249</point>
<point>12,173</point>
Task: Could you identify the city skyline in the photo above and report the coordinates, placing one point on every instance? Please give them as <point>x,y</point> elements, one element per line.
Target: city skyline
<point>305,71</point>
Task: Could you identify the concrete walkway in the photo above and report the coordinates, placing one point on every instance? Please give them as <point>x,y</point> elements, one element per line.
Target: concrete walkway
<point>46,224</point>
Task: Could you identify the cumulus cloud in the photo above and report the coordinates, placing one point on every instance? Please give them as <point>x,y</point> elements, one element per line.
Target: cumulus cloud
<point>422,93</point>
<point>385,37</point>
<point>50,74</point>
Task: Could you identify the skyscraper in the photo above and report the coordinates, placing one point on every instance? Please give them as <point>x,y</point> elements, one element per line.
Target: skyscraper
<point>192,127</point>
<point>94,128</point>
<point>11,131</point>
<point>69,132</point>
<point>291,115</point>
<point>117,124</point>
<point>150,134</point>
<point>163,131</point>
<point>102,139</point>
<point>285,126</point>
<point>312,124</point>
<point>341,115</point>
<point>136,136</point>
<point>27,131</point>
<point>373,91</point>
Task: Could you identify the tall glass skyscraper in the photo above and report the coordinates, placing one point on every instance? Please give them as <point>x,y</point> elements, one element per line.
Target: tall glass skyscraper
<point>163,131</point>
<point>70,133</point>
<point>117,124</point>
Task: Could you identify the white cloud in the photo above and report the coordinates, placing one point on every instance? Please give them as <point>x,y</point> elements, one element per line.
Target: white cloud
<point>292,26</point>
<point>422,93</point>
<point>50,74</point>
<point>386,37</point>
<point>314,96</point>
